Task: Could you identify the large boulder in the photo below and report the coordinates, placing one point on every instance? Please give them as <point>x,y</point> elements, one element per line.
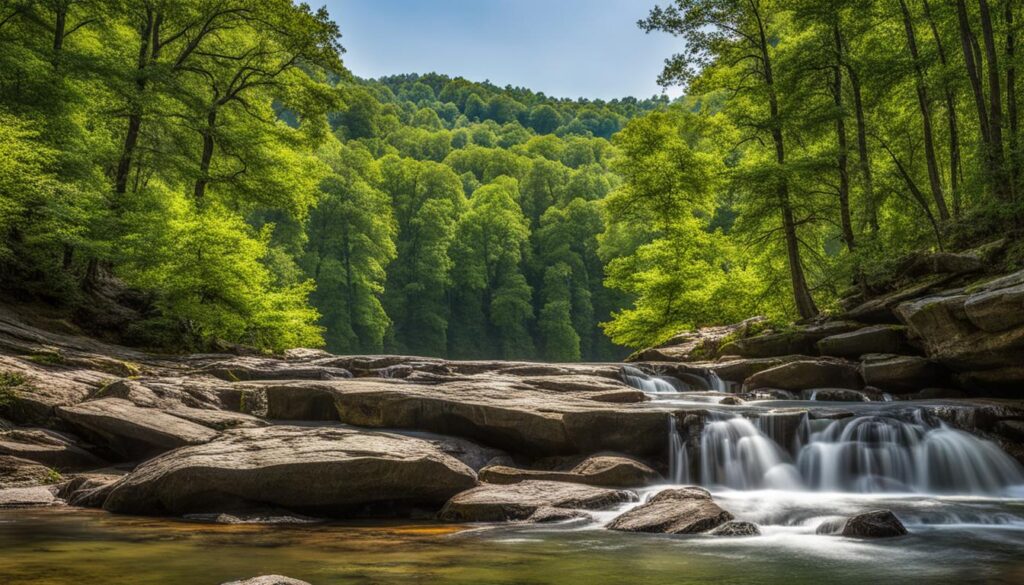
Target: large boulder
<point>874,339</point>
<point>673,511</point>
<point>319,470</point>
<point>519,501</point>
<point>806,374</point>
<point>901,373</point>
<point>131,431</point>
<point>496,411</point>
<point>599,470</point>
<point>874,524</point>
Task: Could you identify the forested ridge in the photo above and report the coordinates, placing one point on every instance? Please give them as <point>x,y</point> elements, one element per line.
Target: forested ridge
<point>216,157</point>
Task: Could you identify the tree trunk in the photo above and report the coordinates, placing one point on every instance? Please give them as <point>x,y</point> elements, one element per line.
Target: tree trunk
<point>131,138</point>
<point>207,157</point>
<point>801,293</point>
<point>926,117</point>
<point>863,159</point>
<point>995,98</point>
<point>951,118</point>
<point>842,159</point>
<point>1011,100</point>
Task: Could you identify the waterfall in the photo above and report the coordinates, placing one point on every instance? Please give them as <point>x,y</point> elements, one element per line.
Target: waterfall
<point>717,384</point>
<point>648,383</point>
<point>897,452</point>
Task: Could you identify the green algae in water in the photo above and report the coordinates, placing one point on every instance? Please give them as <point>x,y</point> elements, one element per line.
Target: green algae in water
<point>67,546</point>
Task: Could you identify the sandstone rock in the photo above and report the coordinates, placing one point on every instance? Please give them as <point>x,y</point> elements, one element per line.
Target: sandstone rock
<point>251,368</point>
<point>548,515</point>
<point>875,339</point>
<point>131,431</point>
<point>321,471</point>
<point>494,411</point>
<point>268,580</point>
<point>53,449</point>
<point>802,375</point>
<point>20,473</point>
<point>599,470</point>
<point>901,373</point>
<point>675,511</point>
<point>519,501</point>
<point>698,345</point>
<point>874,524</point>
<point>735,528</point>
<point>27,497</point>
<point>801,341</point>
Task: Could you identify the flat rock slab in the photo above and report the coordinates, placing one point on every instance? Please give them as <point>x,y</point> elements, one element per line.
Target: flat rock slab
<point>132,431</point>
<point>322,471</point>
<point>802,375</point>
<point>27,497</point>
<point>599,470</point>
<point>874,339</point>
<point>49,448</point>
<point>498,503</point>
<point>674,511</point>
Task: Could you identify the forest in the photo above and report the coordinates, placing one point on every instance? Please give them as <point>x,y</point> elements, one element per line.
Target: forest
<point>217,158</point>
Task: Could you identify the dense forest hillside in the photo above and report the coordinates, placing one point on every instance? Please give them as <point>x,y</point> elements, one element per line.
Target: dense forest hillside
<point>217,160</point>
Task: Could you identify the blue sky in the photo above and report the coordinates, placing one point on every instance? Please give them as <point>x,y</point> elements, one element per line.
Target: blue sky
<point>565,48</point>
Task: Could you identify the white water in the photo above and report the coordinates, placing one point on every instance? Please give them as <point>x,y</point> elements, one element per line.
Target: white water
<point>648,383</point>
<point>861,454</point>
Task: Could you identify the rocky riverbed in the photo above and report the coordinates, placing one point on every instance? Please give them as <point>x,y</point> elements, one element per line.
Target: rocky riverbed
<point>903,394</point>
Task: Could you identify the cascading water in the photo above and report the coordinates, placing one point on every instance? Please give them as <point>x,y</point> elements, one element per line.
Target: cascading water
<point>648,383</point>
<point>893,452</point>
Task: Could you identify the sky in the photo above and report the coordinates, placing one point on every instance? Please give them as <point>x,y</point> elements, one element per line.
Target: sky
<point>564,48</point>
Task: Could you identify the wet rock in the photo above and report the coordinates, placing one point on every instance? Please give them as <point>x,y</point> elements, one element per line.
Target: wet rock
<point>131,431</point>
<point>599,470</point>
<point>874,524</point>
<point>674,511</point>
<point>735,528</point>
<point>268,580</point>
<point>315,470</point>
<point>519,501</point>
<point>802,375</point>
<point>738,370</point>
<point>834,395</point>
<point>732,401</point>
<point>27,497</point>
<point>53,449</point>
<point>901,373</point>
<point>548,515</point>
<point>270,517</point>
<point>875,339</point>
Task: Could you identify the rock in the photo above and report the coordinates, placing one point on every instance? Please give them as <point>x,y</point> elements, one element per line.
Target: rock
<point>131,431</point>
<point>1013,429</point>
<point>875,339</point>
<point>801,341</point>
<point>252,368</point>
<point>21,473</point>
<point>834,395</point>
<point>807,374</point>
<point>675,511</point>
<point>900,373</point>
<point>316,470</point>
<point>996,310</point>
<point>735,528</point>
<point>88,490</point>
<point>874,524</point>
<point>882,309</point>
<point>698,345</point>
<point>53,449</point>
<point>732,401</point>
<point>519,501</point>
<point>27,497</point>
<point>493,410</point>
<point>476,457</point>
<point>548,515</point>
<point>269,517</point>
<point>738,370</point>
<point>831,526</point>
<point>268,580</point>
<point>599,470</point>
<point>942,263</point>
